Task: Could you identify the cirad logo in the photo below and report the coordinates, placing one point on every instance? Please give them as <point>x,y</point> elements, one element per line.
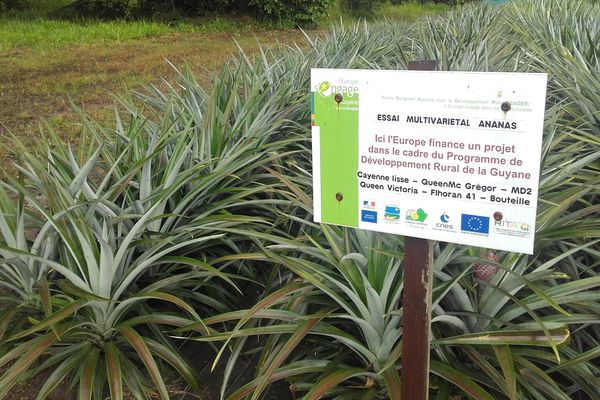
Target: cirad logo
<point>345,87</point>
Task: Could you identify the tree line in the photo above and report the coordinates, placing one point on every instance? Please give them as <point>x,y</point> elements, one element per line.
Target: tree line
<point>285,13</point>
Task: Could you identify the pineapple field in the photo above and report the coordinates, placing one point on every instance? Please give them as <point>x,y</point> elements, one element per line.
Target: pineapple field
<point>185,227</point>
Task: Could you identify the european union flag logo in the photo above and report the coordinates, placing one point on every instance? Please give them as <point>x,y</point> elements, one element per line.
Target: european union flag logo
<point>474,223</point>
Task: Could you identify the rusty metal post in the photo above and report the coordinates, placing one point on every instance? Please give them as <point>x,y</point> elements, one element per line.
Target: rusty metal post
<point>416,317</point>
<point>416,302</point>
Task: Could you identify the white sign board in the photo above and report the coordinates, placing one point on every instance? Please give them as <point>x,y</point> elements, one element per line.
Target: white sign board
<point>449,156</point>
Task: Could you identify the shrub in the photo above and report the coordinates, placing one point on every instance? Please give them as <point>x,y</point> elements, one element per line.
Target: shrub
<point>6,5</point>
<point>188,7</point>
<point>97,9</point>
<point>363,8</point>
<point>284,13</point>
<point>293,12</point>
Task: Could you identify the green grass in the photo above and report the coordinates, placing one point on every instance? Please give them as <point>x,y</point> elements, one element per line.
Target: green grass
<point>410,11</point>
<point>44,33</point>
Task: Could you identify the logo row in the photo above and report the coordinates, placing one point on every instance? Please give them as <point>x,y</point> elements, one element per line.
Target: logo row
<point>469,223</point>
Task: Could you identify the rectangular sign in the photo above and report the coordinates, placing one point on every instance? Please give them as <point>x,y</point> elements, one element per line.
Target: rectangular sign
<point>449,156</point>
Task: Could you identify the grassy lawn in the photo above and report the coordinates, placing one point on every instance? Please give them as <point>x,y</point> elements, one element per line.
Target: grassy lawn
<point>47,64</point>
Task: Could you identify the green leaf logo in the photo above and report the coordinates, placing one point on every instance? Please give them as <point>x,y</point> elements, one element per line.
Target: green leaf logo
<point>323,88</point>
